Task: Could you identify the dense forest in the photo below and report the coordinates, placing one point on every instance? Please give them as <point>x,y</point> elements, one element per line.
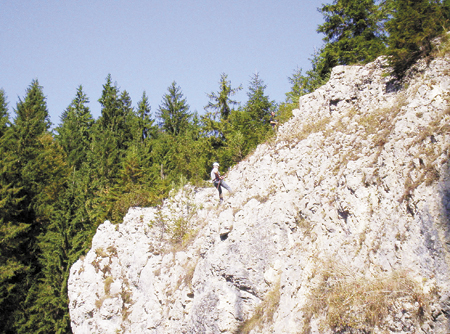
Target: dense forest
<point>57,186</point>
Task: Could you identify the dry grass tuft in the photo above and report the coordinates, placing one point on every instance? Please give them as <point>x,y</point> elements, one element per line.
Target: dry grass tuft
<point>428,153</point>
<point>186,279</point>
<point>444,46</point>
<point>304,131</point>
<point>100,252</point>
<point>99,302</point>
<point>343,302</point>
<point>108,282</point>
<point>305,225</point>
<point>264,312</point>
<point>112,251</point>
<point>126,296</point>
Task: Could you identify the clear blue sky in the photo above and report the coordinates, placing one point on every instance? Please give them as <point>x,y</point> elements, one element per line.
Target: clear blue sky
<point>145,45</point>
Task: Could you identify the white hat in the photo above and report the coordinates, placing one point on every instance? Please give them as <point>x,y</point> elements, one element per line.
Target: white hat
<point>216,164</point>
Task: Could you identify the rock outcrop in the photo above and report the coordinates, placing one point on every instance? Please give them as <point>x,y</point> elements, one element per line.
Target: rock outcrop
<point>340,223</point>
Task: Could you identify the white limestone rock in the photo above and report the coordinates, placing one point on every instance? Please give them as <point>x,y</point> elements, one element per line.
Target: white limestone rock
<point>355,189</point>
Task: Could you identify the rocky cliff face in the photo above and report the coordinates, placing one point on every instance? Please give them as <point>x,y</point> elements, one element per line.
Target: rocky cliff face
<point>339,224</point>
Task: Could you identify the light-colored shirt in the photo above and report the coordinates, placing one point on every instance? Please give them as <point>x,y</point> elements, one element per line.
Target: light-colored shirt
<point>215,174</point>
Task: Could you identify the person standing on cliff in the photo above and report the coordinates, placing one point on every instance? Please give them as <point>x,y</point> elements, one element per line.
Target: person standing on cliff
<point>218,181</point>
<point>273,121</point>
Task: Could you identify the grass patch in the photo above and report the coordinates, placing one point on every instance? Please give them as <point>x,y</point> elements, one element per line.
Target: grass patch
<point>108,282</point>
<point>99,302</point>
<point>304,224</point>
<point>306,130</point>
<point>126,296</point>
<point>264,312</point>
<point>100,252</point>
<point>186,279</point>
<point>428,153</point>
<point>112,251</point>
<point>341,301</point>
<point>443,47</point>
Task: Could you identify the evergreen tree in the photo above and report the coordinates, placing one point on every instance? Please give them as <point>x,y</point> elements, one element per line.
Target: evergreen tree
<point>30,133</point>
<point>111,113</point>
<point>352,33</point>
<point>74,132</point>
<point>31,178</point>
<point>127,119</point>
<point>13,265</point>
<point>258,105</point>
<point>68,236</point>
<point>14,234</point>
<point>173,112</point>
<point>4,116</point>
<point>319,73</point>
<point>219,107</point>
<point>413,25</point>
<point>298,87</point>
<point>51,165</point>
<point>111,133</point>
<point>253,120</point>
<point>221,101</point>
<point>144,124</point>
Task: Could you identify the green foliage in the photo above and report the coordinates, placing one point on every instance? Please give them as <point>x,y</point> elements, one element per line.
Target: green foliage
<point>13,230</point>
<point>143,126</point>
<point>317,76</point>
<point>221,102</point>
<point>173,111</point>
<point>114,107</point>
<point>258,105</point>
<point>74,133</point>
<point>352,32</point>
<point>55,191</point>
<point>32,176</point>
<point>298,85</point>
<point>4,116</point>
<point>60,249</point>
<point>247,126</point>
<point>411,29</point>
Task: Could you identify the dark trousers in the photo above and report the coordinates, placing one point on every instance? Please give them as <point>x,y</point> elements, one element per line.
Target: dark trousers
<point>219,185</point>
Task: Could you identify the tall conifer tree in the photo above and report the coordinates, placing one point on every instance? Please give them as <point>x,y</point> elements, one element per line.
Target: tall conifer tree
<point>221,101</point>
<point>74,132</point>
<point>13,229</point>
<point>258,105</point>
<point>144,125</point>
<point>352,31</point>
<point>173,112</point>
<point>411,29</point>
<point>30,186</point>
<point>4,115</point>
<point>108,133</point>
<point>220,107</point>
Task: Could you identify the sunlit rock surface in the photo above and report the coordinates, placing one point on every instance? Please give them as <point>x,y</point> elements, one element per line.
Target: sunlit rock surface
<point>340,223</point>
